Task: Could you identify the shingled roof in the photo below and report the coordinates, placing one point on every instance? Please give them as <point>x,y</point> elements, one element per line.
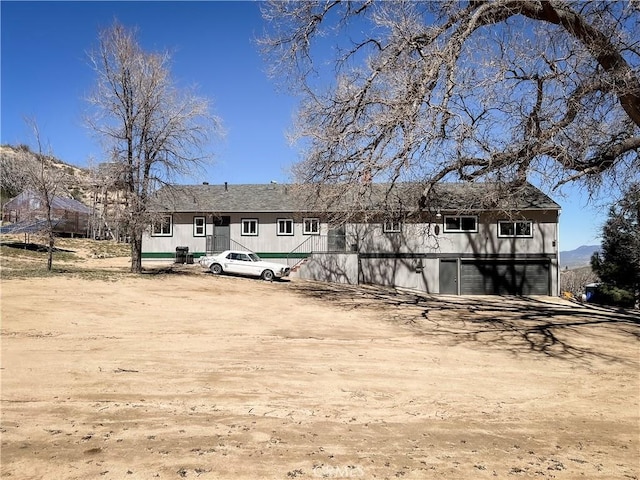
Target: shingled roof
<point>271,197</point>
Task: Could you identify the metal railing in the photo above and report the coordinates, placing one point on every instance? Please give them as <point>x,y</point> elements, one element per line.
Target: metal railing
<point>238,246</point>
<point>232,245</point>
<point>317,244</point>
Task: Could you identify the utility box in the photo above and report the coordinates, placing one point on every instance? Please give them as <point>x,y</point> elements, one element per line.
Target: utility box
<point>181,254</point>
<point>590,292</point>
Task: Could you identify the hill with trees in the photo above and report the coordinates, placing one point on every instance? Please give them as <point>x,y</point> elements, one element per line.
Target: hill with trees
<point>16,160</point>
<point>98,187</point>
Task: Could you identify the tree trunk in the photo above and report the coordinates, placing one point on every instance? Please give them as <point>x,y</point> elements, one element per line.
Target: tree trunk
<point>136,252</point>
<point>51,245</point>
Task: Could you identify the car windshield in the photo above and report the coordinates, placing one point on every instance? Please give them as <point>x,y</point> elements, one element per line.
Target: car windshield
<point>254,257</point>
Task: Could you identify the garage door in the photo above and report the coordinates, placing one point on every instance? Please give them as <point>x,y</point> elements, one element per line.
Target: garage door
<point>504,278</point>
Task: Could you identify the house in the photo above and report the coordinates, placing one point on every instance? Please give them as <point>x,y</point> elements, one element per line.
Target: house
<point>458,242</point>
<point>26,213</point>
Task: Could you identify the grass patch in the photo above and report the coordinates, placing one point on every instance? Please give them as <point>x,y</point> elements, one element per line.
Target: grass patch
<point>96,248</point>
<point>27,258</point>
<point>22,258</point>
<point>17,269</point>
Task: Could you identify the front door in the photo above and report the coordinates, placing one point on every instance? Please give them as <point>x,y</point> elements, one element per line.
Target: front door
<point>449,276</point>
<point>221,234</point>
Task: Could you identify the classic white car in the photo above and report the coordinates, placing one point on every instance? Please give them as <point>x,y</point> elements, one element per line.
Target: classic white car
<point>244,263</point>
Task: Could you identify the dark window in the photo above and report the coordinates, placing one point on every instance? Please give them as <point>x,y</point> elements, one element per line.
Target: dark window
<point>311,226</point>
<point>249,226</point>
<point>392,227</point>
<point>162,226</point>
<point>285,226</point>
<point>515,229</point>
<point>460,224</point>
<point>199,227</point>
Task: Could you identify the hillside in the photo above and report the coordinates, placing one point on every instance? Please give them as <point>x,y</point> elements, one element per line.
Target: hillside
<point>98,188</point>
<point>14,160</point>
<point>580,257</point>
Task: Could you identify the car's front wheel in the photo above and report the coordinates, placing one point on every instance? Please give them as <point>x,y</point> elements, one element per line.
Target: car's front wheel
<point>267,275</point>
<point>216,268</point>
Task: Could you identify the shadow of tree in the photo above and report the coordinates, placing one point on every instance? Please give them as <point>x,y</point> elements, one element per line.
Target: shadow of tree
<point>172,269</point>
<point>33,247</point>
<point>540,326</point>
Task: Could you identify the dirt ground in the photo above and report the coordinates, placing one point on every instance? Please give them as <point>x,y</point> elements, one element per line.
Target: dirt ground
<point>182,374</point>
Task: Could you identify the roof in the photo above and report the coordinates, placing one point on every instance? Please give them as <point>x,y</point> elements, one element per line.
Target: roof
<point>262,198</point>
<point>58,203</point>
<point>232,198</point>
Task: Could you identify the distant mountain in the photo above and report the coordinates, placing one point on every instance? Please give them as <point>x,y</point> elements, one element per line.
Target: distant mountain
<point>580,257</point>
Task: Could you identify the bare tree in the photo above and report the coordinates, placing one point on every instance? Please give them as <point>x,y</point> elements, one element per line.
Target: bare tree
<point>574,281</point>
<point>152,130</point>
<point>505,91</point>
<point>45,181</point>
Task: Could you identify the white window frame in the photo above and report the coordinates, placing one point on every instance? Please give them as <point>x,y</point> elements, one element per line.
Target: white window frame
<point>392,226</point>
<point>308,224</point>
<point>514,224</point>
<point>199,230</point>
<point>460,229</point>
<point>284,224</point>
<point>249,232</point>
<point>158,226</point>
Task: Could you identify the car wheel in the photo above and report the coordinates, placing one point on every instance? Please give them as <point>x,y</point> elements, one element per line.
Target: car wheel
<point>267,275</point>
<point>216,268</point>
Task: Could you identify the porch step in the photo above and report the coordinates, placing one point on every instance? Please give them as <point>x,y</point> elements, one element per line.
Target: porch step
<point>299,265</point>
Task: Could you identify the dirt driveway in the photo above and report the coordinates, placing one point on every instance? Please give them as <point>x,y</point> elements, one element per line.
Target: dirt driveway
<point>187,375</point>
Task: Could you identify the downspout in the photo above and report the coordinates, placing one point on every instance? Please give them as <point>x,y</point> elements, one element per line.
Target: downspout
<point>557,252</point>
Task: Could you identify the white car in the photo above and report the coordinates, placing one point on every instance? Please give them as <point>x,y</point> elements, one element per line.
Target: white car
<point>244,263</point>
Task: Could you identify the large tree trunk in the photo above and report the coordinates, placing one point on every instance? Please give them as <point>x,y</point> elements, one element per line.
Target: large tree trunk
<point>136,252</point>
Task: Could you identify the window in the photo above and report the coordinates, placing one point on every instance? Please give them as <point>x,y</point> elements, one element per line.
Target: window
<point>311,226</point>
<point>243,257</point>
<point>199,227</point>
<point>391,226</point>
<point>285,226</point>
<point>162,226</point>
<point>460,224</point>
<point>250,226</point>
<point>515,229</point>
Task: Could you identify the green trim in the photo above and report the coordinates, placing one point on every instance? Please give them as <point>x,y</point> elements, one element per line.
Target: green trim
<point>265,255</point>
<point>156,255</point>
<point>167,255</point>
<point>462,256</point>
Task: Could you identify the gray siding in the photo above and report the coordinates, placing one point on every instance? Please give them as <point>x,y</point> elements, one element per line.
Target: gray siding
<point>407,259</point>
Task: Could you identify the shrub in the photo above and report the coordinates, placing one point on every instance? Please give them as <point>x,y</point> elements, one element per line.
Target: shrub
<point>610,295</point>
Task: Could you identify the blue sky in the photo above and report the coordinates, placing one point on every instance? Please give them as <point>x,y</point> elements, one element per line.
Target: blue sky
<point>45,75</point>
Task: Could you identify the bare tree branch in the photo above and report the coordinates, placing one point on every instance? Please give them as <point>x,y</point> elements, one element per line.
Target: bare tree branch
<point>436,91</point>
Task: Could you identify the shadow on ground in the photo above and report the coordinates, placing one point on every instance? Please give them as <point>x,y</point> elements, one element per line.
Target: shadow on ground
<point>32,247</point>
<point>544,326</point>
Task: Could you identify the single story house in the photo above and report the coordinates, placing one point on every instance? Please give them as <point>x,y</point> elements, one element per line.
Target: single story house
<point>456,242</point>
<point>26,212</point>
